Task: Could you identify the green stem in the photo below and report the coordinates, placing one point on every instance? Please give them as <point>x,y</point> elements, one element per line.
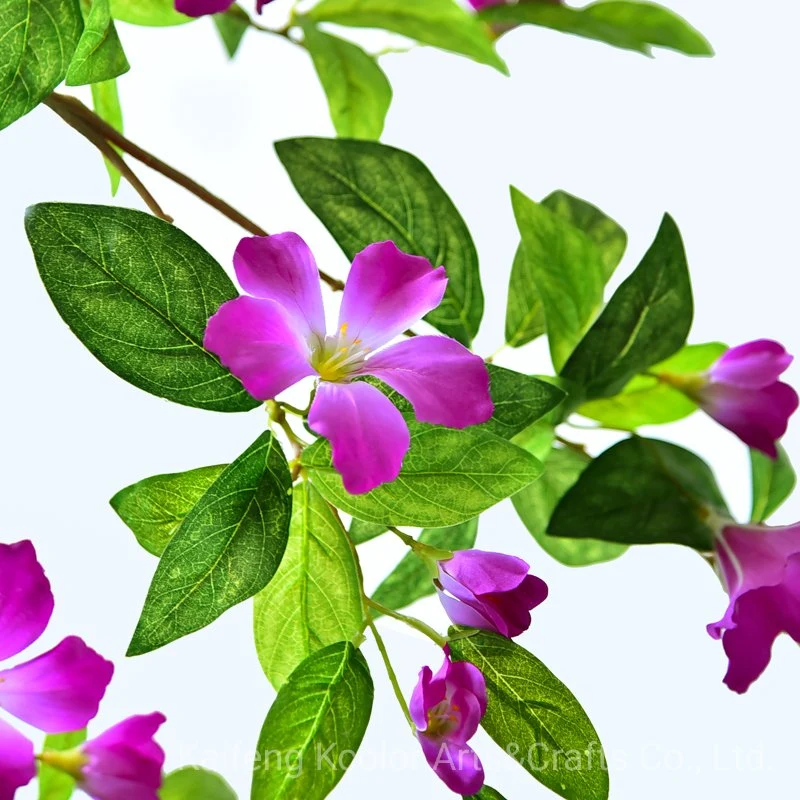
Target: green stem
<point>412,622</point>
<point>410,541</point>
<point>398,692</point>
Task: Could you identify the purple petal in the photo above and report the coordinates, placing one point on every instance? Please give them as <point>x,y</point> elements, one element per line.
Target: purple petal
<point>753,365</point>
<point>456,764</point>
<point>515,606</point>
<point>59,691</point>
<point>479,4</point>
<point>443,381</point>
<point>261,3</point>
<point>484,572</point>
<point>199,8</point>
<point>427,694</point>
<point>467,616</point>
<point>463,675</point>
<point>26,602</point>
<point>282,268</point>
<point>17,762</point>
<point>257,341</point>
<point>388,290</point>
<point>463,596</point>
<point>368,435</point>
<point>469,713</point>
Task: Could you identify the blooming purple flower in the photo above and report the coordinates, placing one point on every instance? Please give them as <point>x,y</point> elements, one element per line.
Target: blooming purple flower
<point>447,708</point>
<point>199,8</point>
<point>276,337</point>
<point>760,568</point>
<point>491,591</point>
<point>56,692</point>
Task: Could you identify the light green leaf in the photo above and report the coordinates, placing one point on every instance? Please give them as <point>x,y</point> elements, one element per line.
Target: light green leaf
<point>155,13</point>
<point>361,531</point>
<point>99,55</point>
<point>525,312</point>
<point>411,580</point>
<point>315,597</point>
<point>367,192</point>
<point>314,727</point>
<point>156,507</point>
<point>37,40</point>
<point>358,91</point>
<point>773,483</point>
<point>227,549</point>
<point>138,293</point>
<point>195,783</point>
<point>53,783</point>
<point>536,719</point>
<point>105,98</point>
<point>646,321</point>
<point>628,24</point>
<point>448,477</point>
<point>641,491</point>
<point>439,23</point>
<point>535,505</point>
<point>232,25</point>
<point>567,269</point>
<point>646,400</point>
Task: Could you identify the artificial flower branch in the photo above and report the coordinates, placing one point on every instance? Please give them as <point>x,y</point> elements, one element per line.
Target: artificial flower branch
<point>412,622</point>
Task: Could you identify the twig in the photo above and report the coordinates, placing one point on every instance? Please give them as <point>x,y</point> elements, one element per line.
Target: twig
<point>413,622</point>
<point>398,692</point>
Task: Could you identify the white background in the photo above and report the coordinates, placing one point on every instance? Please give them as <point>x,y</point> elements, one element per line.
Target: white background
<point>712,141</point>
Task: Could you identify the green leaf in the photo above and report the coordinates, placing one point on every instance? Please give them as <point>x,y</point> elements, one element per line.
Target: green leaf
<point>156,507</point>
<point>315,597</point>
<point>646,400</point>
<point>773,483</point>
<point>448,477</point>
<point>37,40</point>
<point>155,13</point>
<point>315,726</point>
<point>227,549</point>
<point>641,491</point>
<point>358,91</point>
<point>646,321</point>
<point>638,26</point>
<point>567,269</point>
<point>535,505</point>
<point>99,55</point>
<point>53,783</point>
<point>105,98</point>
<point>411,580</point>
<point>366,192</point>
<point>194,783</point>
<point>439,23</point>
<point>232,25</point>
<point>535,718</point>
<point>487,793</point>
<point>138,293</point>
<point>525,312</point>
<point>361,531</point>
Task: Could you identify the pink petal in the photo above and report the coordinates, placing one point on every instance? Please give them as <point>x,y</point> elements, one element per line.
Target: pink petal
<point>443,381</point>
<point>427,694</point>
<point>258,342</point>
<point>455,764</point>
<point>26,602</point>
<point>469,712</point>
<point>17,762</point>
<point>199,8</point>
<point>368,435</point>
<point>515,606</point>
<point>59,691</point>
<point>386,292</point>
<point>282,268</point>
<point>753,365</point>
<point>462,674</point>
<point>484,572</point>
<point>467,616</point>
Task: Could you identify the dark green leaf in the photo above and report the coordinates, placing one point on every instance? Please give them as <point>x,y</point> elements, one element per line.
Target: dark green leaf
<point>138,293</point>
<point>227,549</point>
<point>638,26</point>
<point>99,55</point>
<point>366,192</point>
<point>105,98</point>
<point>195,783</point>
<point>448,477</point>
<point>411,580</point>
<point>641,491</point>
<point>646,321</point>
<point>439,23</point>
<point>315,597</point>
<point>773,483</point>
<point>37,40</point>
<point>232,25</point>
<point>359,93</point>
<point>155,507</point>
<point>361,531</point>
<point>53,783</point>
<point>536,719</point>
<point>487,793</point>
<point>567,269</point>
<point>535,505</point>
<point>156,13</point>
<point>315,726</point>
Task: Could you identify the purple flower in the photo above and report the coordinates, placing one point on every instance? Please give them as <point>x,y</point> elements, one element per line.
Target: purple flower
<point>491,591</point>
<point>447,708</point>
<point>56,692</point>
<point>760,568</point>
<point>199,8</point>
<point>276,337</point>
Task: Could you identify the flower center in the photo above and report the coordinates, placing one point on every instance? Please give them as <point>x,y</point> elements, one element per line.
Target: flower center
<point>691,385</point>
<point>70,762</point>
<point>338,357</point>
<point>442,719</point>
